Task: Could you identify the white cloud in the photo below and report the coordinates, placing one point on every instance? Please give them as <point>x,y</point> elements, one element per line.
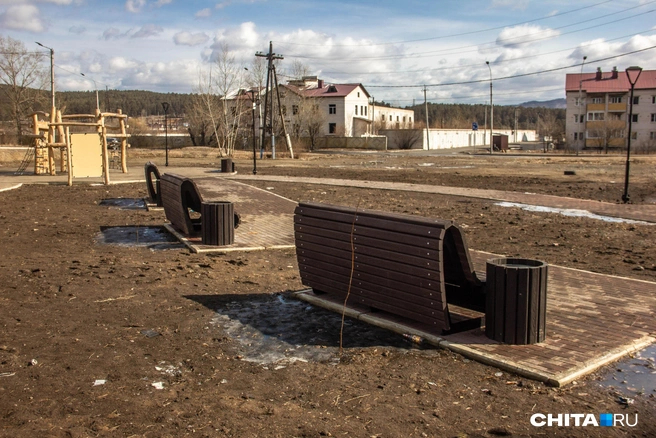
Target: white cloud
<point>190,39</point>
<point>134,6</point>
<point>160,3</point>
<point>223,4</point>
<point>77,29</point>
<point>114,34</point>
<point>525,34</point>
<point>22,17</point>
<point>147,31</point>
<point>203,13</point>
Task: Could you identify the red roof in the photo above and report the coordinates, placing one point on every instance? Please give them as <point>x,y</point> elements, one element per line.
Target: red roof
<point>328,90</point>
<point>590,83</point>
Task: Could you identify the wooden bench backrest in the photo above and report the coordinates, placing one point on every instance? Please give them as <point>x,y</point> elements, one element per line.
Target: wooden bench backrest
<point>179,194</point>
<point>396,262</point>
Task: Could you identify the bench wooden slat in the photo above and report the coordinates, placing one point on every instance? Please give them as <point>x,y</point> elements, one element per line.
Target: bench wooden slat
<point>178,195</point>
<point>402,264</point>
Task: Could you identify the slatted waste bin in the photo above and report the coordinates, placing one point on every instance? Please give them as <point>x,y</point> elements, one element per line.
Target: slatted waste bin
<point>516,300</point>
<point>219,223</point>
<point>227,166</point>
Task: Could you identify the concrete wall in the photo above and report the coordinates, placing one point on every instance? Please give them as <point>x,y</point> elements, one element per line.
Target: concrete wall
<point>378,143</point>
<point>451,138</point>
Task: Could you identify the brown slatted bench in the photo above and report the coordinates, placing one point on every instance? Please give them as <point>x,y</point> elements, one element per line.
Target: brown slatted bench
<point>151,170</point>
<point>409,267</point>
<point>180,194</point>
<point>215,221</point>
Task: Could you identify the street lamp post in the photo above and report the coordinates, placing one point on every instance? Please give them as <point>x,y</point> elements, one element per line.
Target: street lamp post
<point>95,85</point>
<point>255,103</point>
<point>578,121</point>
<point>491,110</point>
<point>632,73</point>
<point>52,72</point>
<point>165,105</point>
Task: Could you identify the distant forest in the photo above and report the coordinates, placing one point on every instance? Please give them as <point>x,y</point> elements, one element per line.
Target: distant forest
<point>447,116</point>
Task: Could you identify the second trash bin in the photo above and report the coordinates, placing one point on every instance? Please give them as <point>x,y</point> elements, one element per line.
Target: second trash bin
<point>516,300</point>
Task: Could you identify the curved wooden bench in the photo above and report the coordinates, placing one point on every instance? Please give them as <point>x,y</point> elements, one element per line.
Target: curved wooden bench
<point>180,195</point>
<point>151,170</point>
<point>406,266</point>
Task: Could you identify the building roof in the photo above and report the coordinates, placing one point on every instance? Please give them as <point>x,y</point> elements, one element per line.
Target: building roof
<point>590,83</point>
<point>327,90</point>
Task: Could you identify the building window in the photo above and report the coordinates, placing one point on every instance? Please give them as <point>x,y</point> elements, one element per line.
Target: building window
<point>356,110</point>
<point>576,136</point>
<point>634,136</point>
<point>365,110</point>
<point>579,101</point>
<point>284,110</point>
<point>653,99</point>
<point>634,118</point>
<point>582,118</point>
<point>615,99</point>
<point>410,120</point>
<point>597,100</point>
<point>294,109</point>
<point>653,117</point>
<point>595,116</point>
<point>397,118</point>
<point>390,117</point>
<point>652,135</point>
<point>358,94</point>
<point>382,117</point>
<point>332,128</point>
<point>332,108</point>
<point>636,100</point>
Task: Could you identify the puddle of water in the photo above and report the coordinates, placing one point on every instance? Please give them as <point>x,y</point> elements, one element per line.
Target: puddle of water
<point>155,238</point>
<point>124,203</point>
<point>275,329</point>
<point>634,376</point>
<point>570,212</point>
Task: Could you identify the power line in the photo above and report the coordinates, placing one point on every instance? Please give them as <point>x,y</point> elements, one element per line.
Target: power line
<point>477,47</point>
<point>496,62</point>
<point>475,81</point>
<point>457,34</point>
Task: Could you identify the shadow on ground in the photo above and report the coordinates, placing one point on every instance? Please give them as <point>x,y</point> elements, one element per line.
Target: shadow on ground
<point>275,328</point>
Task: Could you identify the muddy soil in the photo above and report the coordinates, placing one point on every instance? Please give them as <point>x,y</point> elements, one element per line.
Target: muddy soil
<point>100,339</point>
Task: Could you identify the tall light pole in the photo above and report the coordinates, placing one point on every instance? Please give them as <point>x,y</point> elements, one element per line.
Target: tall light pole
<point>632,73</point>
<point>52,72</point>
<point>255,103</point>
<point>491,110</point>
<point>96,87</point>
<point>165,105</point>
<point>578,120</point>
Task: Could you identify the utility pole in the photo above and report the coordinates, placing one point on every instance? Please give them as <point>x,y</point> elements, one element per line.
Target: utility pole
<point>282,119</point>
<point>427,125</point>
<point>52,73</point>
<point>268,113</point>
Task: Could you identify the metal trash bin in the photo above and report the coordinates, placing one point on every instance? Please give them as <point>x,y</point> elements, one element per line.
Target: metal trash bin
<point>516,300</point>
<point>218,223</point>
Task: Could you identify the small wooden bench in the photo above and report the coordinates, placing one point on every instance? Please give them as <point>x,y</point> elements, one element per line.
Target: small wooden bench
<point>180,195</point>
<point>150,169</point>
<point>406,266</point>
<point>214,221</point>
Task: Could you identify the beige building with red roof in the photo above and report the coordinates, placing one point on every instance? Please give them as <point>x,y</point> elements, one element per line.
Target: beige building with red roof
<point>339,109</point>
<point>598,110</point>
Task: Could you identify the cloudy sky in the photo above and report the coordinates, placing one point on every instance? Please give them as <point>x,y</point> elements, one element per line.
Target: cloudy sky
<point>393,48</point>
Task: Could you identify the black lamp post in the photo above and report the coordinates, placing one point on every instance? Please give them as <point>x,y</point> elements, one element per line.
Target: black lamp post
<point>255,103</point>
<point>165,105</point>
<point>632,73</point>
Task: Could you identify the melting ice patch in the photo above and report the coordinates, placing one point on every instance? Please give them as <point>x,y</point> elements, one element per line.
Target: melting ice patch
<point>572,212</point>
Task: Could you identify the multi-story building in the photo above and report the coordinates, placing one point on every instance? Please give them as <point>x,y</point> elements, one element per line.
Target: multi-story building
<point>598,110</point>
<point>339,109</point>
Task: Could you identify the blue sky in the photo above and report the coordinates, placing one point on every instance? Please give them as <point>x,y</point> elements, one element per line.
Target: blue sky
<point>392,47</point>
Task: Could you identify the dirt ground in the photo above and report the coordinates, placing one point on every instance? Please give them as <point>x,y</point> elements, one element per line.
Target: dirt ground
<point>129,341</point>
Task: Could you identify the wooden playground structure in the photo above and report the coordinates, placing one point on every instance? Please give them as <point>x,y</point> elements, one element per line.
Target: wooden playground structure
<point>82,143</point>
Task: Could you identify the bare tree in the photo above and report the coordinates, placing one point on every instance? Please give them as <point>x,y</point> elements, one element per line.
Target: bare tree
<point>607,133</point>
<point>22,73</point>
